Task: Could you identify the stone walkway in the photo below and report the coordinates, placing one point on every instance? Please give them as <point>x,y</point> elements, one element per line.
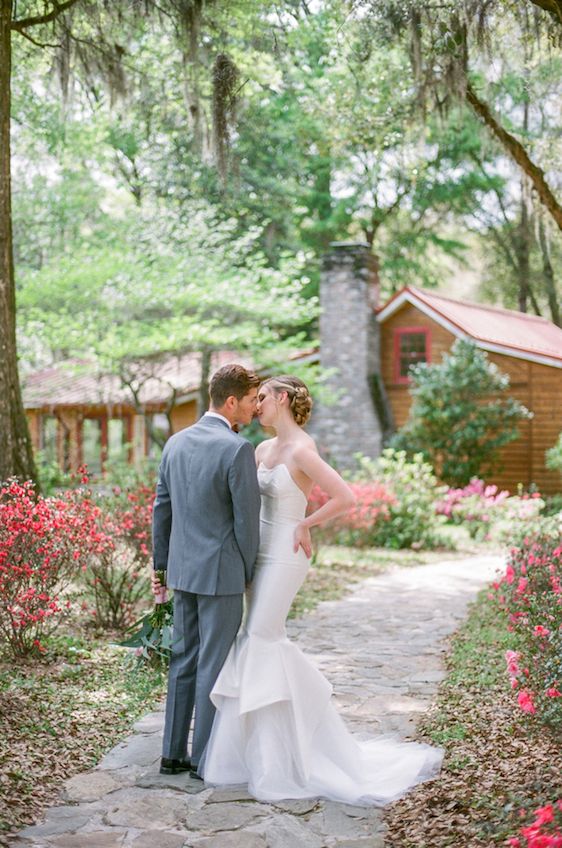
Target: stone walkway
<point>382,649</point>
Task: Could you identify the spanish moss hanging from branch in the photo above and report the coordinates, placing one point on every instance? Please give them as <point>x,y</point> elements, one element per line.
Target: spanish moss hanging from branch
<point>225,89</point>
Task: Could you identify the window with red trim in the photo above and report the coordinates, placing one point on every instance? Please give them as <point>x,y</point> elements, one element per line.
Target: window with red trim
<point>411,345</point>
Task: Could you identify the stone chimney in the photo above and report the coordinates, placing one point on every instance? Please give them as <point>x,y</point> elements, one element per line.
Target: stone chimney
<point>349,344</point>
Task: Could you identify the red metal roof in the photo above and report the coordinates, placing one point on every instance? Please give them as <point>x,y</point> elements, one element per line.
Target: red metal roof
<point>526,336</point>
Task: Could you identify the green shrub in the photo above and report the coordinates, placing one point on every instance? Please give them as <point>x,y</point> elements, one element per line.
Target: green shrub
<point>51,477</point>
<point>554,456</point>
<point>412,520</point>
<point>552,505</point>
<point>460,415</point>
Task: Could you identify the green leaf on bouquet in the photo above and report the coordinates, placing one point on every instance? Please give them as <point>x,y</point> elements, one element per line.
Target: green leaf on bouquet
<point>136,640</point>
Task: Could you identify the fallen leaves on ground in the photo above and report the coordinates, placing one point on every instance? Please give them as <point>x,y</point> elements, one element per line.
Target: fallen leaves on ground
<point>57,719</point>
<point>498,761</point>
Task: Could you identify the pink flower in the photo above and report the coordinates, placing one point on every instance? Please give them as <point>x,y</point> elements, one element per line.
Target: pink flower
<point>539,630</point>
<point>525,701</point>
<point>553,692</point>
<point>511,658</point>
<point>544,815</point>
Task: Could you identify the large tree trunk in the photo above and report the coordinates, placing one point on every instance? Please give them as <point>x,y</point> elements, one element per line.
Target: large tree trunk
<point>203,399</point>
<point>16,454</point>
<point>518,153</point>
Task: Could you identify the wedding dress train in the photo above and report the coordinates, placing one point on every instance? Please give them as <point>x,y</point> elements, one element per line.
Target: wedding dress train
<point>275,728</point>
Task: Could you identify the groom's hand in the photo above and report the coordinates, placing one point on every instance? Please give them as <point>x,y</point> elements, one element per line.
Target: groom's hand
<point>302,539</point>
<point>158,590</point>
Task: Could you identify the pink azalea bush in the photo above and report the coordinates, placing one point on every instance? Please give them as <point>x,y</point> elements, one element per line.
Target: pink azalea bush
<point>116,577</point>
<point>530,592</point>
<point>55,549</point>
<point>544,832</point>
<point>44,545</point>
<point>476,505</point>
<point>489,512</point>
<point>453,504</point>
<point>519,516</point>
<point>394,504</point>
<point>360,524</point>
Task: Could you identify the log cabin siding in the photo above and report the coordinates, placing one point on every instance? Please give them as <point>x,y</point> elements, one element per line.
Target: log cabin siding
<point>440,341</point>
<point>538,387</point>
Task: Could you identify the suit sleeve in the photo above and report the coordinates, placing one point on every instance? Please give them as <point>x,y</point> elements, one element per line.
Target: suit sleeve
<point>161,519</point>
<point>244,490</point>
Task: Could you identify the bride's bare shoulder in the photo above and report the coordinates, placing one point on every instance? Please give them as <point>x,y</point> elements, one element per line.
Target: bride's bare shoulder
<point>265,448</point>
<point>304,447</point>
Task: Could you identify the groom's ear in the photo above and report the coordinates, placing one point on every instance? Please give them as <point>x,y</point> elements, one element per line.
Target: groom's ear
<point>230,404</point>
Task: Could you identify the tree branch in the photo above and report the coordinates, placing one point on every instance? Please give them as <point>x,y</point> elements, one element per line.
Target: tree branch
<point>553,7</point>
<point>518,154</point>
<point>38,43</point>
<point>24,23</point>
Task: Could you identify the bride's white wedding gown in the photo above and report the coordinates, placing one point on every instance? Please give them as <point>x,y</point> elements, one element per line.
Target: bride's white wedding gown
<point>275,728</point>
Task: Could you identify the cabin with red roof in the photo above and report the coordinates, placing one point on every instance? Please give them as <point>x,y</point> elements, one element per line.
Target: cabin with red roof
<point>420,326</point>
<point>366,349</point>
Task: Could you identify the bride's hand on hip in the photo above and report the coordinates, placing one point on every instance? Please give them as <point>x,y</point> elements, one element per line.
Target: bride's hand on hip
<point>302,539</point>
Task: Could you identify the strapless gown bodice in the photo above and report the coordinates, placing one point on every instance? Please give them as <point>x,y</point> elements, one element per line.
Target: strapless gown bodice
<point>275,727</point>
<point>283,505</point>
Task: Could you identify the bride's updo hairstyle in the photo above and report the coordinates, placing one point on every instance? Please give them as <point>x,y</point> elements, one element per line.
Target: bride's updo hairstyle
<point>300,401</point>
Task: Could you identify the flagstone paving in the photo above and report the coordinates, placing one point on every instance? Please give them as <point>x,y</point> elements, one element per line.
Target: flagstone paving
<point>382,649</point>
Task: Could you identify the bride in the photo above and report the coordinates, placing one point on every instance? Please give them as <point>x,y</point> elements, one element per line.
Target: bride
<point>275,728</point>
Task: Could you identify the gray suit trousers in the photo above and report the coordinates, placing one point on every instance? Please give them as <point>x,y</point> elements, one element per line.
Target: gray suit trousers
<point>204,629</point>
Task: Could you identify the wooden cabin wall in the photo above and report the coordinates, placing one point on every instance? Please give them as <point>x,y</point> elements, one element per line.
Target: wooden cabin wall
<point>440,341</point>
<point>546,403</point>
<point>538,387</point>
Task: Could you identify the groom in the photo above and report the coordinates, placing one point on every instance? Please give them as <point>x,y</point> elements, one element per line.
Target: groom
<point>205,537</point>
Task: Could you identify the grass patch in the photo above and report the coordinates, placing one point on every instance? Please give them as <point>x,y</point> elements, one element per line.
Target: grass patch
<point>497,760</point>
<point>58,717</point>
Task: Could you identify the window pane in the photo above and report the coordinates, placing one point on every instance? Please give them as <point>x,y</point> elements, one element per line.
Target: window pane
<point>91,444</point>
<point>412,342</point>
<point>412,351</point>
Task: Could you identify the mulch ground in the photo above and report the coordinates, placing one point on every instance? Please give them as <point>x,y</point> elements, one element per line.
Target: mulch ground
<point>500,764</point>
<point>58,718</point>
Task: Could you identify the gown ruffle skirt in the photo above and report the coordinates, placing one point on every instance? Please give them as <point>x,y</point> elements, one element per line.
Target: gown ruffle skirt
<point>275,728</point>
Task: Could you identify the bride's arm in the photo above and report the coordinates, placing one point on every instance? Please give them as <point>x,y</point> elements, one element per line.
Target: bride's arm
<point>341,498</point>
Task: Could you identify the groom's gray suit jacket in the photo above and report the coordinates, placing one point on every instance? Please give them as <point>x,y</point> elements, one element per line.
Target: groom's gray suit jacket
<point>206,512</point>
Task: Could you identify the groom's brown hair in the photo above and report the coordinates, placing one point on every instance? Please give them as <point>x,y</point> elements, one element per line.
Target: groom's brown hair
<point>230,380</point>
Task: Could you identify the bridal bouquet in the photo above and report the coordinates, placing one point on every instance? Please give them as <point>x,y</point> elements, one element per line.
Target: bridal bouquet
<point>152,636</point>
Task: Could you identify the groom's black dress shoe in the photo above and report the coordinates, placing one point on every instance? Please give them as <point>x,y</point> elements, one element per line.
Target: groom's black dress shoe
<point>193,773</point>
<point>174,766</point>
